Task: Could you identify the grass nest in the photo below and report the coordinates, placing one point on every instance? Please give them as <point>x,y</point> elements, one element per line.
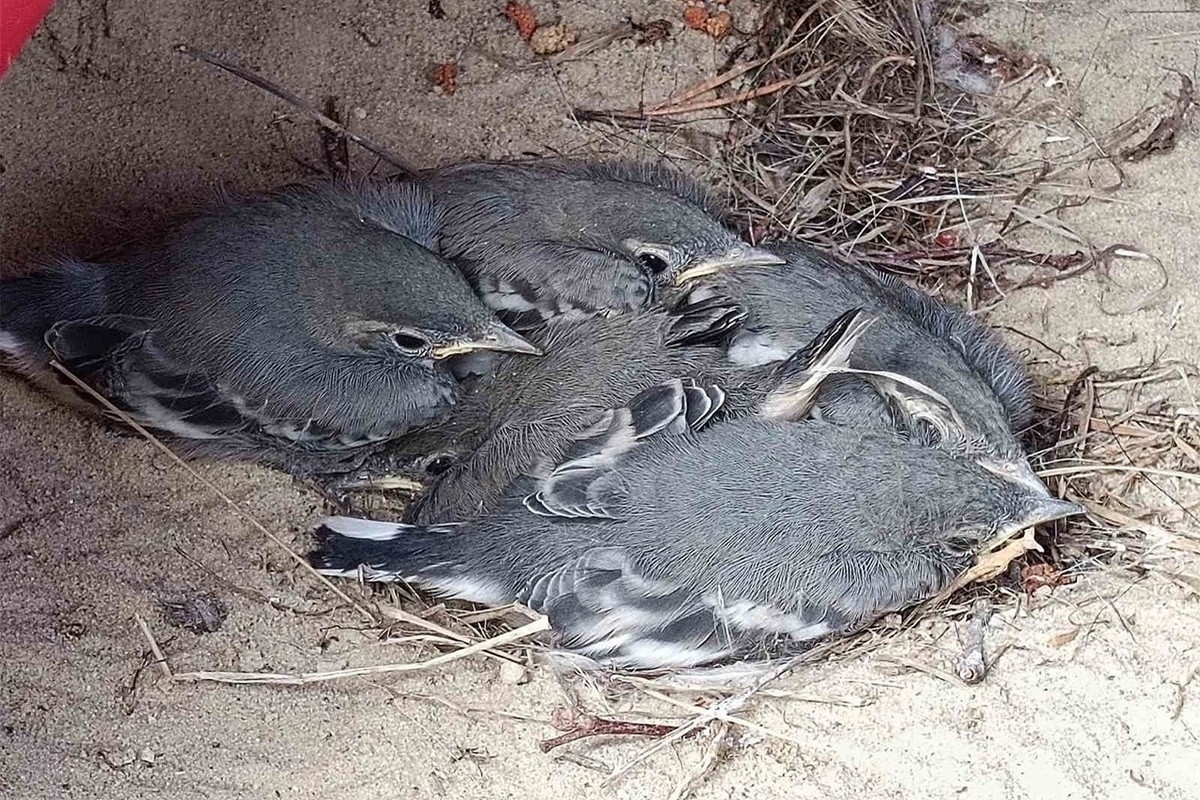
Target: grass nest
<point>879,130</point>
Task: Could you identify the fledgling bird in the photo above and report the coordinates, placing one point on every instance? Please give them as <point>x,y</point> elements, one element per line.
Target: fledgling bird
<point>306,322</point>
<point>981,393</point>
<point>528,410</point>
<point>665,540</point>
<point>559,238</point>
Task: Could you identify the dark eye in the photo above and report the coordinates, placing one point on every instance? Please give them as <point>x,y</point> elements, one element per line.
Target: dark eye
<point>409,342</point>
<point>438,464</point>
<point>653,262</point>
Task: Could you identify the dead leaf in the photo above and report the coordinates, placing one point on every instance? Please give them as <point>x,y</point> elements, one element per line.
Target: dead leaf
<point>551,39</point>
<point>445,77</point>
<point>523,17</point>
<point>719,25</point>
<point>695,17</point>
<point>1035,576</point>
<point>1066,637</point>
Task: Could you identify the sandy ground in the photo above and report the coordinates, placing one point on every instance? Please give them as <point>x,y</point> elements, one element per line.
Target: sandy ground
<point>104,129</point>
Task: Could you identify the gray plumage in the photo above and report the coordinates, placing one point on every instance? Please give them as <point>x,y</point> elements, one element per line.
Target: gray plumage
<point>313,319</point>
<point>529,410</point>
<point>560,238</point>
<point>985,385</point>
<point>664,540</point>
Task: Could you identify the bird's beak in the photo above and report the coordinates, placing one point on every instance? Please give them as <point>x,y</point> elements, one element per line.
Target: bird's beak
<point>496,337</point>
<point>743,255</point>
<point>1042,510</point>
<point>1016,471</point>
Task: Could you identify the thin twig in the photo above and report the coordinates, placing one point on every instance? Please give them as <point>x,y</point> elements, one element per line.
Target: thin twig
<point>164,668</point>
<point>300,679</point>
<point>308,108</point>
<point>585,726</point>
<point>712,756</point>
<point>721,710</point>
<point>212,487</point>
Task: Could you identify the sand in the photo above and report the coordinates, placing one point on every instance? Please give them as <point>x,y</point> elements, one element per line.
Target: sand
<point>105,129</point>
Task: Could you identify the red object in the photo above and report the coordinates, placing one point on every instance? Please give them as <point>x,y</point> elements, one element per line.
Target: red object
<point>18,19</point>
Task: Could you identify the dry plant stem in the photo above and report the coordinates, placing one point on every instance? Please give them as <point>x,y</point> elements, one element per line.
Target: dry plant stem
<point>972,668</point>
<point>712,756</point>
<point>990,564</point>
<point>587,726</point>
<point>292,98</point>
<point>212,487</point>
<point>721,710</point>
<point>1164,136</point>
<point>164,668</point>
<point>719,102</point>
<point>282,679</point>
<point>741,723</point>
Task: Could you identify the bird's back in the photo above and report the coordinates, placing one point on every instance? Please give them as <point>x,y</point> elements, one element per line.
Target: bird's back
<point>913,335</point>
<point>763,511</point>
<point>529,411</point>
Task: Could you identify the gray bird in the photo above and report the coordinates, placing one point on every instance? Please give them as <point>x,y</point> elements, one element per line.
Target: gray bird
<point>310,321</point>
<point>665,540</point>
<point>528,411</point>
<point>981,393</point>
<point>546,239</point>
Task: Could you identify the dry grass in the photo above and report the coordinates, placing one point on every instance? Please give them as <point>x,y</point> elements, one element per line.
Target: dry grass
<point>879,130</point>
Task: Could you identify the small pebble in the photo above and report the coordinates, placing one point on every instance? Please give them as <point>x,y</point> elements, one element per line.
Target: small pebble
<point>514,674</point>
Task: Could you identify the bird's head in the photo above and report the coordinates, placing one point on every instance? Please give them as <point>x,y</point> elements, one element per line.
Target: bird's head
<point>438,340</point>
<point>977,431</point>
<point>677,254</point>
<point>400,300</point>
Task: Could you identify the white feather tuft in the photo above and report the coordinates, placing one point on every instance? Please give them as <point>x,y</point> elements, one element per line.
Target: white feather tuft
<point>356,528</point>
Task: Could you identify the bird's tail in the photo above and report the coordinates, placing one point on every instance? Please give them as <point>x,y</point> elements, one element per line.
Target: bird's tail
<point>431,557</point>
<point>30,305</point>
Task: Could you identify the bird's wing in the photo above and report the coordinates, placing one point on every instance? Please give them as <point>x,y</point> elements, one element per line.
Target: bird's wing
<point>798,379</point>
<point>587,482</point>
<point>118,356</point>
<point>527,284</point>
<point>704,321</point>
<point>601,607</point>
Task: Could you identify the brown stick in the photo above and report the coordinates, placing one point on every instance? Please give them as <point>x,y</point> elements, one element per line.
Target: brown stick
<point>584,726</point>
<point>294,99</point>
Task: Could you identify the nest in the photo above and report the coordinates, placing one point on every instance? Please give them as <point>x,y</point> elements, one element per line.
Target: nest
<point>878,130</point>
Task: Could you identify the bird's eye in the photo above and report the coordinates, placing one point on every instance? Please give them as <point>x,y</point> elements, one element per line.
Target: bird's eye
<point>653,262</point>
<point>410,342</point>
<point>438,464</point>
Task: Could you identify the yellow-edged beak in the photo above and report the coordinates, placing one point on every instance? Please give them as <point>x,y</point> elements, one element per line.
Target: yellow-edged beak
<point>386,483</point>
<point>1018,472</point>
<point>498,338</point>
<point>741,256</point>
